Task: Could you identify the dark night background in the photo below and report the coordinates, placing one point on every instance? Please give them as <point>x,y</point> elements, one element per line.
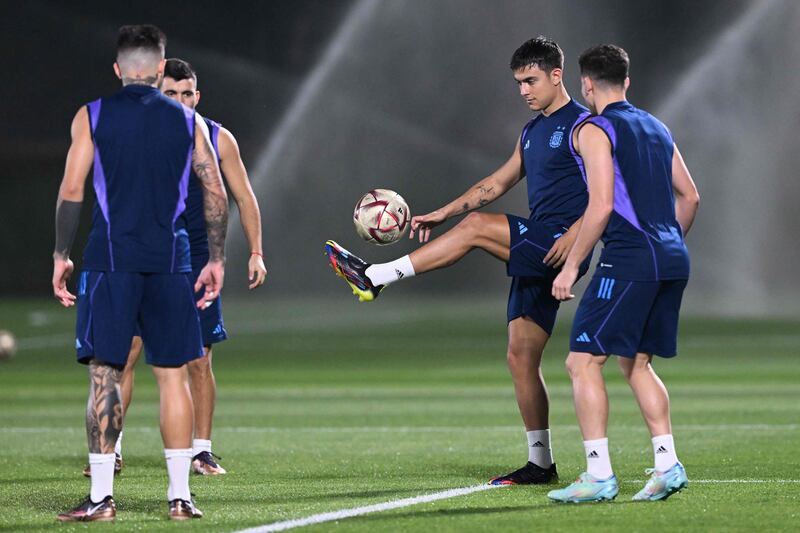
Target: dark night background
<point>331,98</point>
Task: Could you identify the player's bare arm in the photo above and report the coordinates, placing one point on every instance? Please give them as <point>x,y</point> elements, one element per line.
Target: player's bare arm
<point>595,148</point>
<point>236,175</point>
<point>687,199</point>
<point>69,203</point>
<point>215,206</point>
<point>483,193</point>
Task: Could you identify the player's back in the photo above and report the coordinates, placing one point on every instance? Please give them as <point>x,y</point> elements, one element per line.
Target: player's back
<point>143,148</point>
<point>194,214</point>
<point>643,240</point>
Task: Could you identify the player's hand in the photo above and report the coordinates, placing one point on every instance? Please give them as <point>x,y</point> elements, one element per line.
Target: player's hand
<point>423,224</point>
<point>257,271</point>
<point>62,270</point>
<point>558,252</point>
<point>562,285</point>
<point>210,279</point>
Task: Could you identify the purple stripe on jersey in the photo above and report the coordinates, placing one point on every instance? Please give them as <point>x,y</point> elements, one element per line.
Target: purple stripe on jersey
<point>183,192</point>
<point>622,200</point>
<point>188,113</point>
<point>183,185</point>
<point>214,133</point>
<point>99,177</point>
<point>604,124</point>
<point>597,335</point>
<point>578,159</point>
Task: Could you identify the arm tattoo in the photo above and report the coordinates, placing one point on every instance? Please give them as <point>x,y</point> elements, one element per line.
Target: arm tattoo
<point>215,201</point>
<point>68,215</point>
<point>104,409</point>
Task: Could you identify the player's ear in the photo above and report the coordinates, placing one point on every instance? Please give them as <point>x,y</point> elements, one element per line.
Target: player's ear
<point>555,76</point>
<point>627,83</point>
<point>117,71</point>
<point>196,97</point>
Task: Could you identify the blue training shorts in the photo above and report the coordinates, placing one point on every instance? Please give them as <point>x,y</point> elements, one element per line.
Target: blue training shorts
<point>211,324</point>
<point>622,317</point>
<point>114,306</point>
<point>531,287</point>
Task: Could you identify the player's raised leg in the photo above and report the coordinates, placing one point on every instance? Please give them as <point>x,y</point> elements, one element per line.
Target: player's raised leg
<point>526,341</point>
<point>486,231</point>
<point>204,393</point>
<point>598,482</point>
<point>668,475</point>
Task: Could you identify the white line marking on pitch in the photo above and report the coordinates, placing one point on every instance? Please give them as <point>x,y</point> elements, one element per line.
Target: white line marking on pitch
<point>403,429</point>
<point>358,511</point>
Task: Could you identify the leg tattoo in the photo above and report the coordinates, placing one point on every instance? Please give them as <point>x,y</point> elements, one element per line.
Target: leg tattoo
<point>104,409</point>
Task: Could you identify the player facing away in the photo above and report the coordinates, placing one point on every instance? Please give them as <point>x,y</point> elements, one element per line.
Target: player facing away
<point>642,201</point>
<point>180,84</point>
<point>136,266</point>
<point>533,248</point>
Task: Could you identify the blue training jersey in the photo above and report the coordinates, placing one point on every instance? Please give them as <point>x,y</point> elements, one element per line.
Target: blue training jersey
<point>643,240</point>
<point>195,213</point>
<point>143,145</point>
<point>557,193</point>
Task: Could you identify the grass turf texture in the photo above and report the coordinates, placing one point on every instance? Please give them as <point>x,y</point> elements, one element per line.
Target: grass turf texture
<point>331,405</point>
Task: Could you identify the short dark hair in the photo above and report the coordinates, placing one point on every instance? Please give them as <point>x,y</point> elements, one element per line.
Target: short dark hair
<point>606,63</point>
<point>178,70</point>
<point>541,52</point>
<point>141,37</point>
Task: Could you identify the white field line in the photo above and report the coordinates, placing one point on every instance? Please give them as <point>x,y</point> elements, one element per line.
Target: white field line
<point>714,481</point>
<point>358,511</point>
<point>409,429</point>
<point>452,493</point>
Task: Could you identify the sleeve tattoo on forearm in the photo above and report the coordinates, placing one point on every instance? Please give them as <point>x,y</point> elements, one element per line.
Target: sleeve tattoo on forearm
<point>104,409</point>
<point>215,205</point>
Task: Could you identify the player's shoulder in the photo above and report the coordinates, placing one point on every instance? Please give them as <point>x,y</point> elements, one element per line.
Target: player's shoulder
<point>212,124</point>
<point>576,109</point>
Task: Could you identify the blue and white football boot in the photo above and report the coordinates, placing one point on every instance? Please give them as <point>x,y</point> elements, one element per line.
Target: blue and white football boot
<point>662,485</point>
<point>587,488</point>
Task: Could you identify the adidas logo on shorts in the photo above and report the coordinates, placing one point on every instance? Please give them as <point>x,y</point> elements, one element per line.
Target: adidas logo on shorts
<point>583,337</point>
<point>522,228</point>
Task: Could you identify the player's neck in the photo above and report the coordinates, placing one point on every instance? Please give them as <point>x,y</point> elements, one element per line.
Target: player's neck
<point>604,98</point>
<point>560,101</point>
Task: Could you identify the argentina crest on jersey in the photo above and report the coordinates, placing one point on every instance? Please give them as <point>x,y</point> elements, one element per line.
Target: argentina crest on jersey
<point>557,137</point>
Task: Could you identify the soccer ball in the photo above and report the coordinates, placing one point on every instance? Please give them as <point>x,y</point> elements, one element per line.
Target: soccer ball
<point>8,345</point>
<point>381,216</point>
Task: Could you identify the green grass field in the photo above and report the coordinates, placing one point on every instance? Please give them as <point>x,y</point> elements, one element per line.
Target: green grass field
<point>324,406</point>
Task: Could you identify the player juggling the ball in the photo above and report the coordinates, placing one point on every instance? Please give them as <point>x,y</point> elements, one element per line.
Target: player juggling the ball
<point>136,273</point>
<point>534,248</point>
<point>642,202</point>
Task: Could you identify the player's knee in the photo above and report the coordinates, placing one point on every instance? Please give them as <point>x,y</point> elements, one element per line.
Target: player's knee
<point>472,224</point>
<point>580,364</point>
<point>200,367</point>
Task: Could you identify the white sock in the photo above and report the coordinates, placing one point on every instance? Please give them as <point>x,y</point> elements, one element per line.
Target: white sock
<point>200,445</point>
<point>178,462</point>
<point>539,452</point>
<point>598,463</point>
<point>102,465</point>
<point>118,445</point>
<point>664,451</point>
<point>386,273</point>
